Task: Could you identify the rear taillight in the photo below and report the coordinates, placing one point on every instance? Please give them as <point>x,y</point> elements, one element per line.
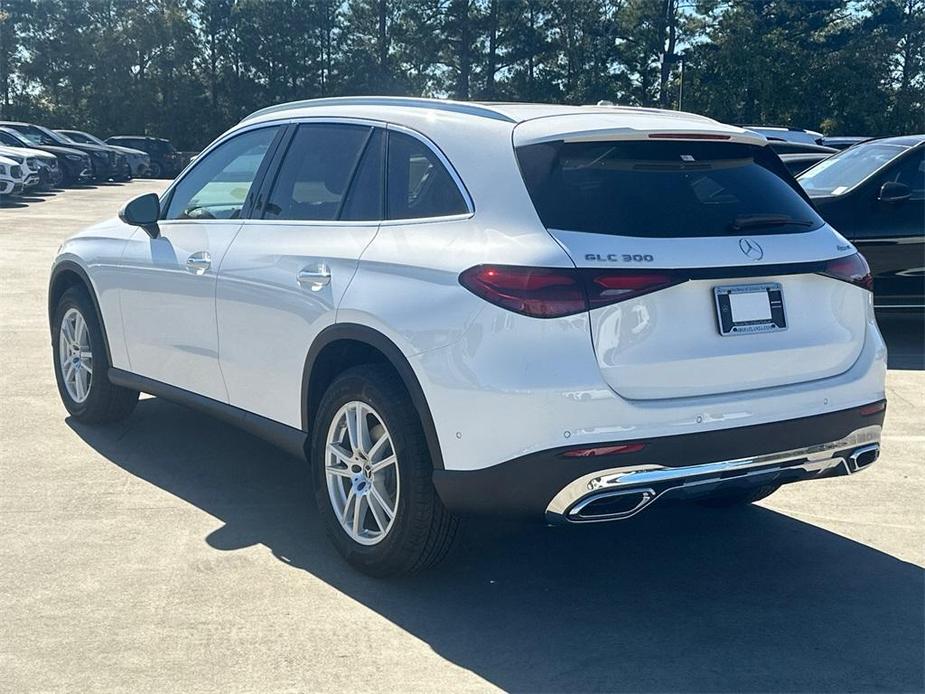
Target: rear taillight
<point>536,292</point>
<point>557,292</point>
<point>609,287</point>
<point>850,268</point>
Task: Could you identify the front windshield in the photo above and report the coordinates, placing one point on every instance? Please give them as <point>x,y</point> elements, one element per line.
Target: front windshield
<point>35,135</point>
<point>843,171</point>
<point>78,137</point>
<point>57,138</point>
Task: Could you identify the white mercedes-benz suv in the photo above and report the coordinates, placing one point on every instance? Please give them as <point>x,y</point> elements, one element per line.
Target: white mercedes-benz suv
<point>449,308</point>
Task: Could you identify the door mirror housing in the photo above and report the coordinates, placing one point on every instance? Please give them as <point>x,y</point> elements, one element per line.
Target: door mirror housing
<point>894,192</point>
<point>143,211</point>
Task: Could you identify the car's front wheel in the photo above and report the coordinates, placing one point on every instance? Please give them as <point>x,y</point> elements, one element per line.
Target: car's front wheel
<point>156,170</point>
<point>82,365</point>
<point>372,476</point>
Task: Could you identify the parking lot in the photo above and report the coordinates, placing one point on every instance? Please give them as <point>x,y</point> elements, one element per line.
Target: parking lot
<point>172,552</point>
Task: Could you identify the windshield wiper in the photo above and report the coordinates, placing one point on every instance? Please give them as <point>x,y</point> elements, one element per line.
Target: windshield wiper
<point>753,221</point>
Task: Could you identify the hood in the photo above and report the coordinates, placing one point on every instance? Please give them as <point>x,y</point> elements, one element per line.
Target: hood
<point>88,149</point>
<point>26,152</point>
<point>6,161</point>
<point>59,151</point>
<point>128,150</point>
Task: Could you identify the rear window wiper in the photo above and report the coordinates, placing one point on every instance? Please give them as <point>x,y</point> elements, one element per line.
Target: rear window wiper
<point>753,221</point>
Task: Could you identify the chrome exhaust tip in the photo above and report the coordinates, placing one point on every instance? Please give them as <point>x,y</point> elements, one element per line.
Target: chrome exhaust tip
<point>863,457</point>
<point>615,505</point>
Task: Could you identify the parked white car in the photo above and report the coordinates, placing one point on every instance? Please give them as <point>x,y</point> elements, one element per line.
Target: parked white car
<point>28,164</point>
<point>561,312</point>
<point>45,164</point>
<point>12,180</point>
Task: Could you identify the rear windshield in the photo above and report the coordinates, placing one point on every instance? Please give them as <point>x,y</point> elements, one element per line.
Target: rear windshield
<point>663,189</point>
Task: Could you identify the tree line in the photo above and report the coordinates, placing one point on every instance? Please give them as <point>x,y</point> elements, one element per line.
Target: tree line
<point>188,69</point>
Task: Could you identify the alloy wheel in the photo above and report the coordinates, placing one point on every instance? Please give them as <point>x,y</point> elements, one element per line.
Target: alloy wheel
<point>75,356</point>
<point>361,471</point>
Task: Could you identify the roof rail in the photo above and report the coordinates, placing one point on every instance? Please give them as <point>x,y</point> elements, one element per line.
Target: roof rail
<point>403,101</point>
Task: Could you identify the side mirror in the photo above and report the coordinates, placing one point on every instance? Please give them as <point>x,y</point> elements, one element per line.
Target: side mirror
<point>894,192</point>
<point>143,211</point>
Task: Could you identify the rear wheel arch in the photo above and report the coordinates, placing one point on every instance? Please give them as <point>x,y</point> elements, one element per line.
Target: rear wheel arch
<point>69,274</point>
<point>345,345</point>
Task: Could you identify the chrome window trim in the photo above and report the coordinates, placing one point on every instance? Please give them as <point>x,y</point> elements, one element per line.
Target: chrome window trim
<point>443,159</point>
<point>369,122</point>
<point>220,140</point>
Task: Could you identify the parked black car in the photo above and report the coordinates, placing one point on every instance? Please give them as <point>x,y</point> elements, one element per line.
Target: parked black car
<point>874,194</point>
<point>785,147</point>
<point>104,160</point>
<point>843,142</point>
<point>138,162</point>
<point>166,162</point>
<point>75,165</point>
<point>798,163</point>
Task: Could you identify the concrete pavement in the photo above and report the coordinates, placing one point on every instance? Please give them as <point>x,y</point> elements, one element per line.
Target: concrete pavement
<point>174,553</point>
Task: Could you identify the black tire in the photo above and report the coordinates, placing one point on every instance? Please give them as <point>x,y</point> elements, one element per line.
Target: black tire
<point>104,401</point>
<point>156,170</point>
<point>423,531</point>
<point>739,497</point>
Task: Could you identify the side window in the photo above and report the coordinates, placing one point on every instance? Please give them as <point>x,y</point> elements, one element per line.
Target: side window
<point>316,172</point>
<point>365,198</point>
<point>911,172</point>
<point>217,186</point>
<point>418,183</point>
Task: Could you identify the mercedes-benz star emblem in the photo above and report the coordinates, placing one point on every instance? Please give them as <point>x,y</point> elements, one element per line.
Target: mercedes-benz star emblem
<point>751,249</point>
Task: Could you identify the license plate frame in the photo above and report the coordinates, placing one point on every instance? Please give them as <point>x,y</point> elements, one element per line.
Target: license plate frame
<point>726,319</point>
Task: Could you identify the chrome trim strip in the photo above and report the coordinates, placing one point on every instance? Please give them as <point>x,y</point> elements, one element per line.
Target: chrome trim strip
<point>815,459</point>
<point>465,107</point>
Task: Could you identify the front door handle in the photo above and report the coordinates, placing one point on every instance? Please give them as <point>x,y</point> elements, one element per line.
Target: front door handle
<point>199,262</point>
<point>314,277</point>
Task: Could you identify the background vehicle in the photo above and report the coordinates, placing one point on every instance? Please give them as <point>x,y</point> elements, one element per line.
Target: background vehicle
<point>136,162</point>
<point>11,178</point>
<point>636,304</point>
<point>843,142</point>
<point>139,162</point>
<point>873,193</point>
<point>810,137</point>
<point>798,163</point>
<point>29,166</point>
<point>74,166</point>
<point>799,156</point>
<point>166,162</point>
<point>103,160</point>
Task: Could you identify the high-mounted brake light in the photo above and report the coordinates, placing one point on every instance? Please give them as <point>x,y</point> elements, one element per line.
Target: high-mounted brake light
<point>558,292</point>
<point>852,269</point>
<point>688,136</point>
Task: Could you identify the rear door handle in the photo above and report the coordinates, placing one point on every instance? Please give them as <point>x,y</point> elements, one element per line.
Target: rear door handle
<point>314,277</point>
<point>199,262</point>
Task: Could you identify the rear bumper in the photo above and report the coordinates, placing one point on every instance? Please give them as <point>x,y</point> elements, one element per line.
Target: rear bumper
<point>582,489</point>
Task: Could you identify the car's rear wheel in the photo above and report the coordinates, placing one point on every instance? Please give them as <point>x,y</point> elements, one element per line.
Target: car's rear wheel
<point>372,475</point>
<point>82,365</point>
<point>738,497</point>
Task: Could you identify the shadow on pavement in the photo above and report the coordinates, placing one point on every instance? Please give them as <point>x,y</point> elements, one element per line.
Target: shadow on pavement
<point>905,340</point>
<point>682,598</point>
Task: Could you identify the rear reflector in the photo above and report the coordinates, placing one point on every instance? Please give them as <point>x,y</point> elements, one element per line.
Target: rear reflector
<point>558,292</point>
<point>873,408</point>
<point>852,269</point>
<point>603,450</point>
